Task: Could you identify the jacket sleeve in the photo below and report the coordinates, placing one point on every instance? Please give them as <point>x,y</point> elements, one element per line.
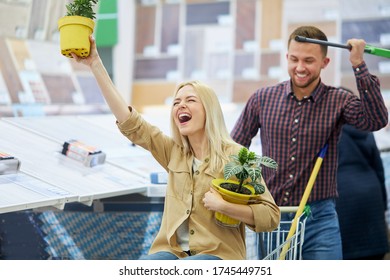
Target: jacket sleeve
<point>266,213</point>
<point>147,136</point>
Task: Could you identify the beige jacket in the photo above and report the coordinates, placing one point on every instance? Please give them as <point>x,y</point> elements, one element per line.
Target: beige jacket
<point>184,196</point>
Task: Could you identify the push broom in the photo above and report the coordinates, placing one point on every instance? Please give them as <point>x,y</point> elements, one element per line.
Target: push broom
<point>304,199</point>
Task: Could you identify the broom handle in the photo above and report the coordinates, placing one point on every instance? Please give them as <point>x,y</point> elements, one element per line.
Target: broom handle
<point>368,49</point>
<point>304,199</point>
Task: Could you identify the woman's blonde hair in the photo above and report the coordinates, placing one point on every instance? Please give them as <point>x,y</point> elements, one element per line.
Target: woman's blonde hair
<point>215,127</point>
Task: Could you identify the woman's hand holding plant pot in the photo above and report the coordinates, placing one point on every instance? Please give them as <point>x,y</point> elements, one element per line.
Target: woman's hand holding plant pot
<point>93,55</point>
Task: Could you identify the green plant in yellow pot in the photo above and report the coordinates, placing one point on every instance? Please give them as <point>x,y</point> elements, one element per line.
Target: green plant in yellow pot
<point>243,182</point>
<point>76,27</point>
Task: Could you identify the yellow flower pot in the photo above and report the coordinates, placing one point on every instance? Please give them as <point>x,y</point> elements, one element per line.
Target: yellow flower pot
<point>232,197</point>
<point>74,35</point>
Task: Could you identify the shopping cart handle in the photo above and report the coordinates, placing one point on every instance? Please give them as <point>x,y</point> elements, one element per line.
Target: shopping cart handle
<point>288,209</point>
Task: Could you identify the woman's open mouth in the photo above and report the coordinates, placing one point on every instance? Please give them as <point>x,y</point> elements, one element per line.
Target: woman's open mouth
<point>184,117</point>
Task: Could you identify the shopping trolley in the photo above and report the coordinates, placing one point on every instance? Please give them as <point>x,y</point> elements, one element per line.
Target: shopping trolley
<point>275,245</point>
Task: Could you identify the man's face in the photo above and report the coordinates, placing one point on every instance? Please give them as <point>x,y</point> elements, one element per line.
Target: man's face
<point>305,62</point>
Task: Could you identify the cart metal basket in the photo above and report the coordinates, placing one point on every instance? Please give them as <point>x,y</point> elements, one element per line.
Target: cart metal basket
<point>274,245</point>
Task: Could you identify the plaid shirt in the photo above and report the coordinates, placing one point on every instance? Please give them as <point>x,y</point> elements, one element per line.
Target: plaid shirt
<point>293,132</point>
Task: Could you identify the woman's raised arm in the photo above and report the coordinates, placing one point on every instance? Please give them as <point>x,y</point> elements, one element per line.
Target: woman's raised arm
<point>113,98</point>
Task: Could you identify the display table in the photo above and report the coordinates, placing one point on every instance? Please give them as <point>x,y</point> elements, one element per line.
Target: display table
<point>48,178</point>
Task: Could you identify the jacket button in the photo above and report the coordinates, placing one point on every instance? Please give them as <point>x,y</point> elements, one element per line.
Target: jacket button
<point>188,211</point>
<point>197,172</point>
<point>192,231</point>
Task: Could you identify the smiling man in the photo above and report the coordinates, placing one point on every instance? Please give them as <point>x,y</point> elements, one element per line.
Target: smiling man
<point>296,118</point>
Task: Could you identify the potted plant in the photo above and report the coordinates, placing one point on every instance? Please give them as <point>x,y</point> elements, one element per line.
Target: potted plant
<point>242,182</point>
<point>76,27</point>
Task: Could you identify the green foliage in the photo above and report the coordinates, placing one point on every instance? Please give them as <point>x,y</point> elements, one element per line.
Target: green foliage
<point>82,8</point>
<point>247,165</point>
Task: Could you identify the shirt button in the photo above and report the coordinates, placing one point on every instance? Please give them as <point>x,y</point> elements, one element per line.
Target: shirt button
<point>188,211</point>
<point>197,172</point>
<point>287,193</point>
<point>357,69</point>
<point>296,120</point>
<point>285,199</point>
<point>299,103</point>
<point>292,158</point>
<point>291,176</point>
<point>293,139</point>
<point>192,231</point>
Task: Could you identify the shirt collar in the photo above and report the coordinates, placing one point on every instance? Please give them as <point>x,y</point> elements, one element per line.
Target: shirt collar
<point>318,91</point>
<point>315,95</point>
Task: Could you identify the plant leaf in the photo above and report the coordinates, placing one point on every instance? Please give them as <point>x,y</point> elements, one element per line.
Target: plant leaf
<point>259,187</point>
<point>268,162</point>
<point>254,173</point>
<point>231,169</point>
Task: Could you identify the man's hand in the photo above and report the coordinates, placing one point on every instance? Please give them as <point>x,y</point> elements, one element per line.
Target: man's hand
<point>357,51</point>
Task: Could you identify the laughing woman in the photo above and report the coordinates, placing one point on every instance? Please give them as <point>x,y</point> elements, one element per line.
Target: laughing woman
<point>195,154</point>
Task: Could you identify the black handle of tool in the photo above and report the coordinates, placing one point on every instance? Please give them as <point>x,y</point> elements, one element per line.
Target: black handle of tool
<point>326,43</point>
<point>368,48</point>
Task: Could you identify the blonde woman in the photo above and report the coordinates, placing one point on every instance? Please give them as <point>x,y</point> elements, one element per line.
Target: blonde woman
<point>195,154</point>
